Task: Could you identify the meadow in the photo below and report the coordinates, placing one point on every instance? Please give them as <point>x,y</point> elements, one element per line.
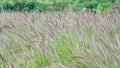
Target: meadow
<point>59,40</point>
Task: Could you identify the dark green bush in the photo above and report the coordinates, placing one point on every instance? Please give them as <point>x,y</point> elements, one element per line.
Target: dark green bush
<point>18,6</point>
<point>59,6</point>
<point>30,6</point>
<point>6,6</point>
<point>91,5</point>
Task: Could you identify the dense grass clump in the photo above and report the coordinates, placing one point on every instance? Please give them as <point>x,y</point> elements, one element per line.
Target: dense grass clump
<point>59,40</point>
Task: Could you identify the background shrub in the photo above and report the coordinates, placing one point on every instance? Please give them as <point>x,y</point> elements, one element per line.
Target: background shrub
<point>56,5</point>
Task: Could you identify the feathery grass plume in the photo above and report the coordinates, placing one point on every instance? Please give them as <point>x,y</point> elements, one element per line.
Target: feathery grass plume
<point>63,39</point>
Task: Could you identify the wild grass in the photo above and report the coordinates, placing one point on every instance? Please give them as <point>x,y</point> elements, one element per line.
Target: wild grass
<point>59,40</point>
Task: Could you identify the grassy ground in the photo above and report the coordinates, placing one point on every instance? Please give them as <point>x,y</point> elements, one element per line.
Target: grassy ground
<point>59,40</point>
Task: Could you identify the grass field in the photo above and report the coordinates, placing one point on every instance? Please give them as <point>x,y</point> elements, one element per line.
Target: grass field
<point>59,40</point>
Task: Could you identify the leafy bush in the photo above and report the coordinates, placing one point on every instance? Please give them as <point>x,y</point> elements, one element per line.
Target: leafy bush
<point>6,5</point>
<point>102,6</point>
<point>18,6</point>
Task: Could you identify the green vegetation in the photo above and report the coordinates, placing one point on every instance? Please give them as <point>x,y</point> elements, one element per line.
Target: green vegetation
<point>56,5</point>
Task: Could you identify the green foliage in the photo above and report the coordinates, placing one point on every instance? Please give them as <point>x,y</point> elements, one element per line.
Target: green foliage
<point>3,60</point>
<point>63,49</point>
<point>6,5</point>
<point>32,64</point>
<point>41,60</point>
<point>102,6</point>
<point>55,5</point>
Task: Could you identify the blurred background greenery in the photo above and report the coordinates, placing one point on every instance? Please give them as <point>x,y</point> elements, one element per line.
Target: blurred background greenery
<point>55,5</point>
